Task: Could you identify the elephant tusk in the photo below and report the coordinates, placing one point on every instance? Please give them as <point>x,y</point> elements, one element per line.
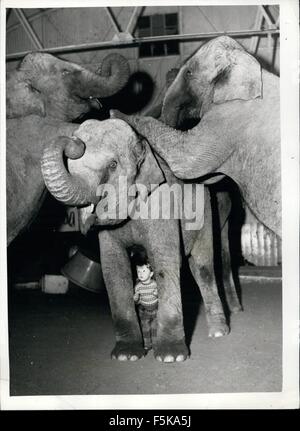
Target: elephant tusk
<point>90,208</point>
<point>96,102</point>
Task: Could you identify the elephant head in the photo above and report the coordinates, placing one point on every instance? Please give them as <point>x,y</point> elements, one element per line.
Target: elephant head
<point>47,86</point>
<point>220,71</point>
<point>98,153</point>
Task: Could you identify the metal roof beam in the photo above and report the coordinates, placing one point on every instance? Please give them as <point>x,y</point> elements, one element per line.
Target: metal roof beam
<point>33,17</point>
<point>113,20</point>
<point>28,29</point>
<point>137,12</point>
<point>8,12</point>
<point>138,41</point>
<point>268,17</point>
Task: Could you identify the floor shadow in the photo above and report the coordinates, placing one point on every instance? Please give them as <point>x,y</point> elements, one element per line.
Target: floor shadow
<point>191,301</point>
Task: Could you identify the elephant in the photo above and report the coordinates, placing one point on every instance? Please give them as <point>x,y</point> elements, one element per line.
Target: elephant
<point>100,153</point>
<point>239,132</point>
<point>43,97</point>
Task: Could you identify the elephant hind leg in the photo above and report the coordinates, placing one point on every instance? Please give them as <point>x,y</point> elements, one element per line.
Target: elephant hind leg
<point>204,276</point>
<point>230,289</point>
<point>201,262</point>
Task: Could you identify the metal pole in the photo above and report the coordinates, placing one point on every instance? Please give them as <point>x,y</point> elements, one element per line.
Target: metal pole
<point>113,20</point>
<point>257,24</point>
<point>33,17</point>
<point>28,29</point>
<point>266,15</point>
<point>134,17</point>
<point>181,30</point>
<point>8,12</point>
<point>138,41</point>
<point>270,23</point>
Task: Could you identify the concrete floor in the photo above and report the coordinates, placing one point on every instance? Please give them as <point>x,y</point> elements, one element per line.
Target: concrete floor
<point>61,344</point>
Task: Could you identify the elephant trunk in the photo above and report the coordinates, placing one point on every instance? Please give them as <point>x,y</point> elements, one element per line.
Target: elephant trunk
<point>111,78</point>
<point>180,109</point>
<point>64,187</point>
<point>170,111</point>
<point>175,99</point>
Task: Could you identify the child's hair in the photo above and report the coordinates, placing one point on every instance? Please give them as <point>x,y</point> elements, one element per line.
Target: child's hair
<point>145,263</point>
<point>138,257</point>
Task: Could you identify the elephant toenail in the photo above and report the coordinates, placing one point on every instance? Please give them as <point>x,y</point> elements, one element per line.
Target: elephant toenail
<point>180,358</point>
<point>134,358</point>
<point>122,358</point>
<point>169,358</point>
<point>218,334</point>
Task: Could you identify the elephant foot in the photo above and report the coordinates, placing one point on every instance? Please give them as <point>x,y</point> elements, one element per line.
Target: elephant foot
<point>217,327</point>
<point>147,344</point>
<point>126,351</point>
<point>233,303</point>
<point>171,352</point>
<point>235,308</point>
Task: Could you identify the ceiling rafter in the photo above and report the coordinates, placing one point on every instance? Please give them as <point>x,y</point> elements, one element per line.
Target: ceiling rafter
<point>125,38</point>
<point>137,41</point>
<point>126,34</point>
<point>28,29</point>
<point>30,18</point>
<point>263,15</point>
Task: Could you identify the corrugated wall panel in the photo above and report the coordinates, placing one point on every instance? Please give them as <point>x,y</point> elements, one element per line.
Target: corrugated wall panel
<point>18,41</point>
<point>205,19</point>
<point>260,246</point>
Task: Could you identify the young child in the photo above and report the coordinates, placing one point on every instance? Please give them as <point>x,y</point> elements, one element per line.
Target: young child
<point>146,298</point>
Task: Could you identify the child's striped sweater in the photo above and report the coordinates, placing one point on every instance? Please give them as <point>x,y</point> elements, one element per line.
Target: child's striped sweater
<point>147,294</point>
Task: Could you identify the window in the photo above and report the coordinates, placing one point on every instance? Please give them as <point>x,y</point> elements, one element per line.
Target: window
<point>158,25</point>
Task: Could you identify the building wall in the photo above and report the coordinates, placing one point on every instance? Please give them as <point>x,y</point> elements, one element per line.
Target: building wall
<point>69,26</point>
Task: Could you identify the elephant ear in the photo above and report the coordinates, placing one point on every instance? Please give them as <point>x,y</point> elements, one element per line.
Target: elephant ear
<point>149,172</point>
<point>238,76</point>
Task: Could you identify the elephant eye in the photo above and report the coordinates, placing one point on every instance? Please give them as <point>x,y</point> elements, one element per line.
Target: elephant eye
<point>33,88</point>
<point>113,165</point>
<point>65,72</point>
<point>189,73</point>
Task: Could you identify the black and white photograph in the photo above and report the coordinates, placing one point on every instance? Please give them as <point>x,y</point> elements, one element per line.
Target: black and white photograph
<point>150,236</point>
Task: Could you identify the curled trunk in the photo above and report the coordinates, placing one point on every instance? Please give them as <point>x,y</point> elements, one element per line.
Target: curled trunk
<point>64,187</point>
<point>170,111</point>
<point>180,109</point>
<point>111,78</point>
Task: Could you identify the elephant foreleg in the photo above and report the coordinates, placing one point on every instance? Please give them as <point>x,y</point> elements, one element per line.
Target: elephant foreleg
<point>169,344</point>
<point>118,280</point>
<point>164,256</point>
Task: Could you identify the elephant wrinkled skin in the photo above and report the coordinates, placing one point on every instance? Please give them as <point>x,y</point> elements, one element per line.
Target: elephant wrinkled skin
<point>239,132</point>
<point>99,153</point>
<point>43,96</point>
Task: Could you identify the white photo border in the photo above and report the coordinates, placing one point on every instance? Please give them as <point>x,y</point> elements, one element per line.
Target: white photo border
<point>289,397</point>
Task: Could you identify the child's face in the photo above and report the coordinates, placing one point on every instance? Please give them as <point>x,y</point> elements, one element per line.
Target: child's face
<point>143,272</point>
